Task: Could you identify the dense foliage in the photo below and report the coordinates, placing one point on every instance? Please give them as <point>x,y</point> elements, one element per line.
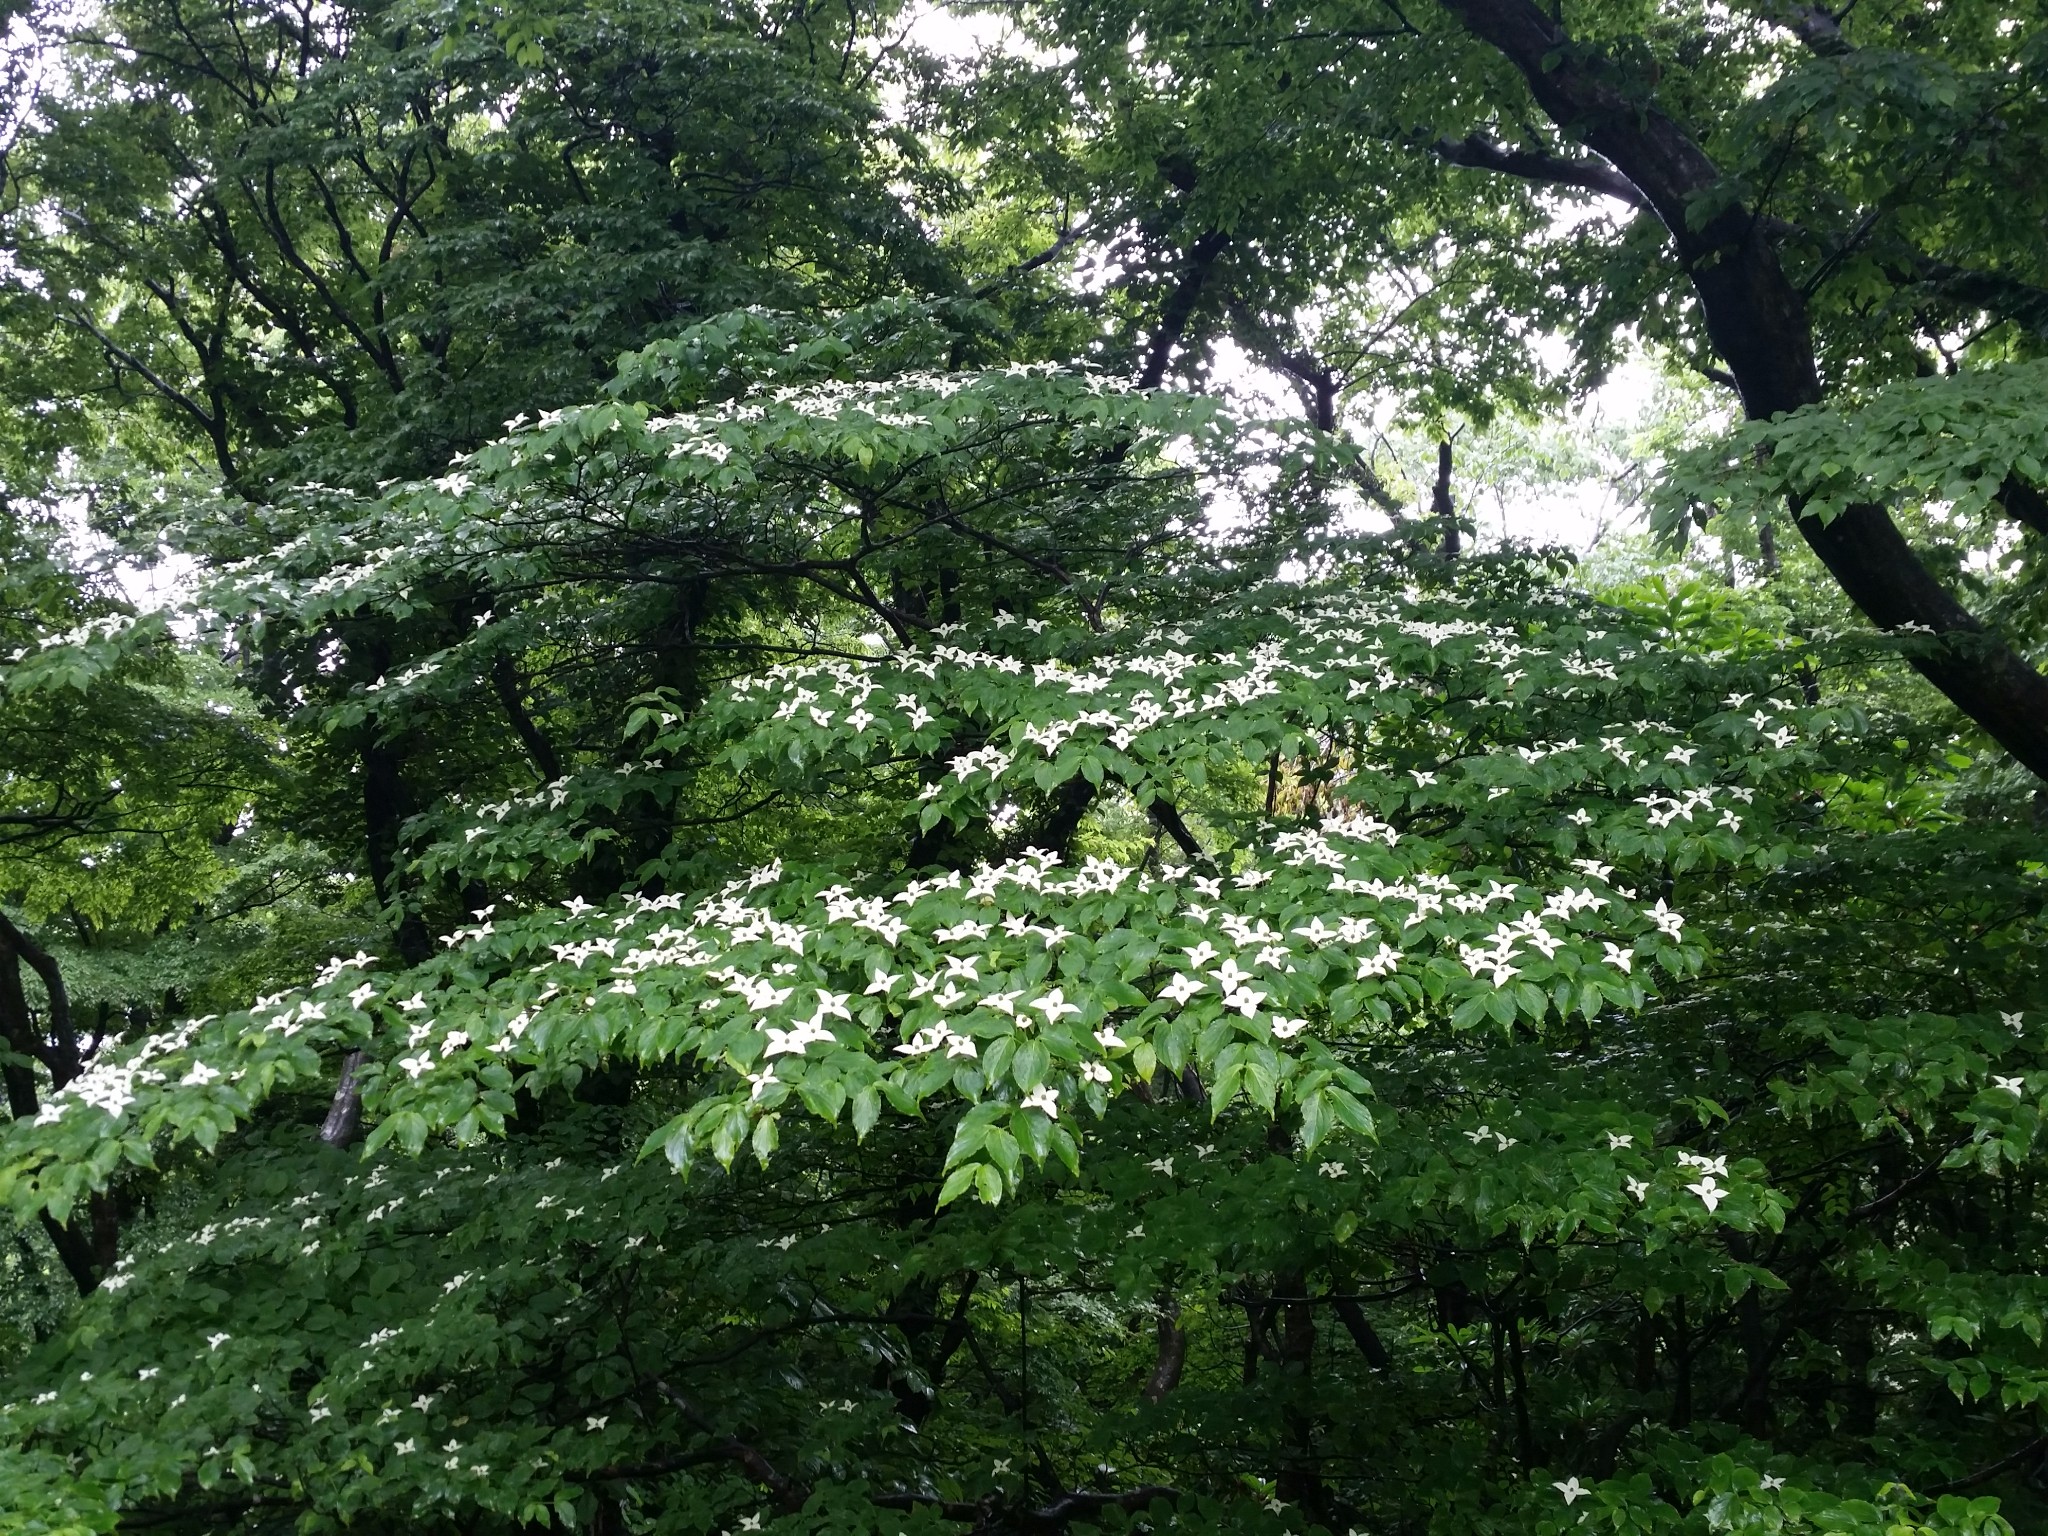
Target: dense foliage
<point>764,888</point>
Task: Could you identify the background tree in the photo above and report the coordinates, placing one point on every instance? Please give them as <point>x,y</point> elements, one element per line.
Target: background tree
<point>339,246</point>
<point>1800,206</point>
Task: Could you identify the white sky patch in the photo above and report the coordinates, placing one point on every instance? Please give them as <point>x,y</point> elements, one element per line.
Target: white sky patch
<point>952,35</point>
<point>1533,506</point>
<point>168,581</point>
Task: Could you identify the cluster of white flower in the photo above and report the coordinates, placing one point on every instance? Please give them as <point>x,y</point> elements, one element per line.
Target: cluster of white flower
<point>1711,1170</point>
<point>1373,646</point>
<point>948,958</point>
<point>109,1082</point>
<point>105,627</point>
<point>774,976</point>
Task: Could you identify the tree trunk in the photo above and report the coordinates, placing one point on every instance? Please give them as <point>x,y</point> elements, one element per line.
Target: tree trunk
<point>1179,309</point>
<point>345,1114</point>
<point>1173,1352</point>
<point>57,1047</point>
<point>385,808</point>
<point>1440,505</point>
<point>1299,1477</point>
<point>85,1248</point>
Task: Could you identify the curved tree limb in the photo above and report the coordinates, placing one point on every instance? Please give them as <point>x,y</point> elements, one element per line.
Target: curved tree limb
<point>1173,1352</point>
<point>85,1248</point>
<point>1067,238</point>
<point>1482,154</point>
<point>58,1048</point>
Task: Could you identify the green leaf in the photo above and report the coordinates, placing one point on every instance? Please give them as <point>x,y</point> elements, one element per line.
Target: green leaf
<point>960,1180</point>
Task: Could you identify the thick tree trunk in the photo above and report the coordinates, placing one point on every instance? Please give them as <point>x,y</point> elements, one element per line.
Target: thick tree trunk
<point>1441,507</point>
<point>87,1246</point>
<point>1758,322</point>
<point>385,807</point>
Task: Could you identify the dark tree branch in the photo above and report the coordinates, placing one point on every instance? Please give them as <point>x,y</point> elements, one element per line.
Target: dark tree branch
<point>1070,802</point>
<point>58,1051</point>
<point>18,1041</point>
<point>506,683</point>
<point>2023,303</point>
<point>121,357</point>
<point>2032,1450</point>
<point>958,1326</point>
<point>1441,507</point>
<point>1054,1513</point>
<point>2007,298</point>
<point>84,1251</point>
<point>1168,817</point>
<point>1482,154</point>
<point>2024,503</point>
<point>1173,1352</point>
<point>1319,388</point>
<point>1068,237</point>
<point>1362,1332</point>
<point>1068,1505</point>
<point>1005,1397</point>
<point>74,1252</point>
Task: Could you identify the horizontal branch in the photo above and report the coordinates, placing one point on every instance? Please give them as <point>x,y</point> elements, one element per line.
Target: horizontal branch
<point>791,1495</point>
<point>1482,154</point>
<point>2032,1450</point>
<point>2008,298</point>
<point>1067,237</point>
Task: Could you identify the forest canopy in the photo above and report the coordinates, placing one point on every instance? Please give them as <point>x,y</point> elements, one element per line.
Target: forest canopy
<point>760,768</point>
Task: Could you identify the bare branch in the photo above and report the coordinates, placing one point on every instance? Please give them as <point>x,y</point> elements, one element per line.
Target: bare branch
<point>1482,154</point>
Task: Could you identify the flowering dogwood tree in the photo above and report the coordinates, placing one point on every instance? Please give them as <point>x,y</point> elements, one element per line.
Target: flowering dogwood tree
<point>1109,1037</point>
